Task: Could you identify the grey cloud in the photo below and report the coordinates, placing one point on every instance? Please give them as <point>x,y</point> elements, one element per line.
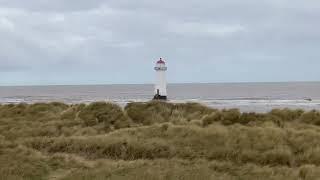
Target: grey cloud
<point>52,6</point>
<point>45,35</point>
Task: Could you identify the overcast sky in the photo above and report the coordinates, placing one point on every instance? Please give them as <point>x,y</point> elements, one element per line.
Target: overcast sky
<point>118,41</point>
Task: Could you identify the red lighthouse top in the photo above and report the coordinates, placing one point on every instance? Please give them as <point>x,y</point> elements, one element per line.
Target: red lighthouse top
<point>161,61</point>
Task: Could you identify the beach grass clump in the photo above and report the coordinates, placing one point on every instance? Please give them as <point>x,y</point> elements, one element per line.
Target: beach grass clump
<point>44,111</point>
<point>13,111</point>
<point>159,112</point>
<point>72,112</point>
<point>287,114</point>
<point>103,147</point>
<point>211,118</point>
<point>311,117</point>
<point>236,143</point>
<point>231,116</point>
<point>108,114</point>
<point>252,117</point>
<point>190,170</point>
<point>149,113</point>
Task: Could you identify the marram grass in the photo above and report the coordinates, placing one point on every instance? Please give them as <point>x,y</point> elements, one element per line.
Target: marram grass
<point>156,141</point>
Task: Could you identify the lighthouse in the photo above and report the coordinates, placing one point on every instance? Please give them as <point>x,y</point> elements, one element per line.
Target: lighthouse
<point>161,82</point>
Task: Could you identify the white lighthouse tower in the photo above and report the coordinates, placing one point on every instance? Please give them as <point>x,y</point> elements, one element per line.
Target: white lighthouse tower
<point>161,82</point>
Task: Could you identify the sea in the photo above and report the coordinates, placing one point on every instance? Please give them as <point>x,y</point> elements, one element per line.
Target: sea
<point>248,97</point>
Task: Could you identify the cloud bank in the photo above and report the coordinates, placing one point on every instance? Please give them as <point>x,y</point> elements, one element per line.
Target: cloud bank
<point>98,41</point>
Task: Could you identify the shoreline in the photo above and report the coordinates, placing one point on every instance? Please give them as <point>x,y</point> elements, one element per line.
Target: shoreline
<point>244,105</point>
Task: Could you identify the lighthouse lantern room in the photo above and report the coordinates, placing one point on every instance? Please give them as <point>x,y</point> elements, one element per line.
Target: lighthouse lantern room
<point>161,83</point>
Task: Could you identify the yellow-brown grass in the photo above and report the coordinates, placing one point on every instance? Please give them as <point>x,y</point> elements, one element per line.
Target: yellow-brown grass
<point>156,140</point>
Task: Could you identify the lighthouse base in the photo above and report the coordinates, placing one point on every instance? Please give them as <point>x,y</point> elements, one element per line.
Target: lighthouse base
<point>159,97</point>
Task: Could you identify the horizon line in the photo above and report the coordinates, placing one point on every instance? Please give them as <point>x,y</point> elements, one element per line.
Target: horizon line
<point>110,84</point>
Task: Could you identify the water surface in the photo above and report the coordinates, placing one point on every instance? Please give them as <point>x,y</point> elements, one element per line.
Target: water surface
<point>245,96</point>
